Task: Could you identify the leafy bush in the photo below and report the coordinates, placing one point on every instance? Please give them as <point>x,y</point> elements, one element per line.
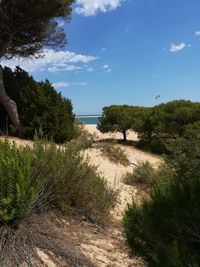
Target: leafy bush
<point>19,186</point>
<point>46,176</point>
<point>165,122</point>
<point>115,154</point>
<point>164,230</point>
<point>40,179</point>
<point>144,173</point>
<point>74,185</point>
<point>42,110</point>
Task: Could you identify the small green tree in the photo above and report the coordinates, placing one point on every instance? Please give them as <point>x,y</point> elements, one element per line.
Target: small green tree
<point>117,118</point>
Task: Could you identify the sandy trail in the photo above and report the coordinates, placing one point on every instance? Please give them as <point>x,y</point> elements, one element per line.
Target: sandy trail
<point>109,249</point>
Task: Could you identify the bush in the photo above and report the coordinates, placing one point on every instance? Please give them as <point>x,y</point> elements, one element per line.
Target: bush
<point>144,173</point>
<point>164,230</point>
<point>19,186</point>
<point>41,179</point>
<point>74,185</point>
<point>115,154</point>
<point>165,122</point>
<point>49,177</point>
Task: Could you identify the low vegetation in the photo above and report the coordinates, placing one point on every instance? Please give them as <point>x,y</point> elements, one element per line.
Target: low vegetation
<point>114,153</point>
<point>144,173</point>
<point>164,229</point>
<point>41,179</point>
<point>82,138</point>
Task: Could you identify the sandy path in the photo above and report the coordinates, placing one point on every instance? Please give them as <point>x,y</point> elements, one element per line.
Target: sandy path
<point>108,249</point>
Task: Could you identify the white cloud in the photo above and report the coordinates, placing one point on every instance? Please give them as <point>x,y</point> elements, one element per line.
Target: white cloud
<point>52,61</point>
<point>72,68</point>
<point>105,67</point>
<point>79,83</point>
<point>177,47</point>
<point>89,69</point>
<point>59,85</point>
<point>103,49</point>
<point>91,7</point>
<point>197,33</point>
<point>108,70</point>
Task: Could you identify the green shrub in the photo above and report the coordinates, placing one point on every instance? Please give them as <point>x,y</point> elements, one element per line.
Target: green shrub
<point>164,229</point>
<point>44,179</point>
<point>73,184</point>
<point>144,173</point>
<point>115,154</point>
<point>19,186</point>
<point>46,176</point>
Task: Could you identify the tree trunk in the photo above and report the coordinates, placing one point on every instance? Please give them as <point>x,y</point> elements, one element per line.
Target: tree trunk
<point>124,135</point>
<point>9,105</point>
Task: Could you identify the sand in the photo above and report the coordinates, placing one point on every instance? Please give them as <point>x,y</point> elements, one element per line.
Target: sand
<point>108,249</point>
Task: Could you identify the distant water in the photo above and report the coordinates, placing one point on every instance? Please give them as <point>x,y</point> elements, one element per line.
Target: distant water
<point>89,119</point>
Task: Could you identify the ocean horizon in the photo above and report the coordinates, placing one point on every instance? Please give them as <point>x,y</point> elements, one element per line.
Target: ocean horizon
<point>89,119</point>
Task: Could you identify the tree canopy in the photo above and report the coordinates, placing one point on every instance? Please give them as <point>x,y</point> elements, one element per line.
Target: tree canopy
<point>116,118</point>
<point>121,119</point>
<point>26,27</point>
<point>42,110</point>
<point>155,126</point>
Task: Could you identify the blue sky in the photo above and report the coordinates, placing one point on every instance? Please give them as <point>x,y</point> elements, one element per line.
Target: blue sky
<point>125,52</point>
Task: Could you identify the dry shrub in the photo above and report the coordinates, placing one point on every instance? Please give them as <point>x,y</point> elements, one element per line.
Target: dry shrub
<point>19,244</point>
<point>115,154</point>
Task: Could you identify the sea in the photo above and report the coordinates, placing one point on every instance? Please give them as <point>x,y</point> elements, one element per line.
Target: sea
<point>89,119</point>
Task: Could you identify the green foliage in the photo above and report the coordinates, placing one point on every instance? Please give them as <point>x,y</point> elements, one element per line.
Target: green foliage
<point>24,32</point>
<point>47,177</point>
<point>119,118</point>
<point>42,110</point>
<point>19,187</point>
<point>73,184</point>
<point>165,122</point>
<point>144,173</point>
<point>164,229</point>
<point>115,154</point>
<point>156,126</point>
